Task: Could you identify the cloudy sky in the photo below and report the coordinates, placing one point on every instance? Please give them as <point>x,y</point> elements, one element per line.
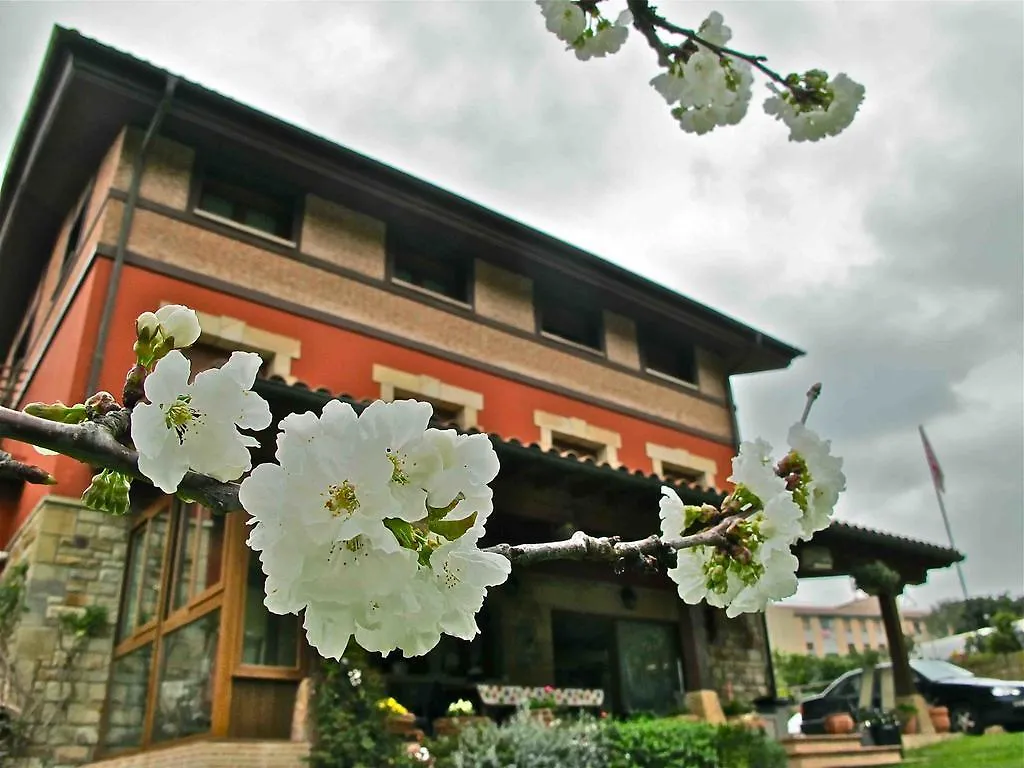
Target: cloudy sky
<point>893,254</point>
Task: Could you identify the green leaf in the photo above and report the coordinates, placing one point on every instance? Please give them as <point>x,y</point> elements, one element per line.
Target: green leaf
<point>64,414</point>
<point>453,529</point>
<point>403,531</point>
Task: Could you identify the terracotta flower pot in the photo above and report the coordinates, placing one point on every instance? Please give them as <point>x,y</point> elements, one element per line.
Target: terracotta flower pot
<point>910,725</point>
<point>940,719</point>
<point>401,725</point>
<point>451,726</point>
<point>839,723</point>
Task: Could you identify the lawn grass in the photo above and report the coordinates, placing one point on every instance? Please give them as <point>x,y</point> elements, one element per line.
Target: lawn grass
<point>995,750</point>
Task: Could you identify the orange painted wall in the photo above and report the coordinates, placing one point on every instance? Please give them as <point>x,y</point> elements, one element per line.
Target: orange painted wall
<point>61,375</point>
<point>342,361</point>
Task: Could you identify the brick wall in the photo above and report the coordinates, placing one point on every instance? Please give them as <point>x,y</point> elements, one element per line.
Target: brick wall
<point>76,558</point>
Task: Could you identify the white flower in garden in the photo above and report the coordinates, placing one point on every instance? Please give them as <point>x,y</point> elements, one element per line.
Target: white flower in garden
<point>565,19</point>
<point>178,323</point>
<point>195,426</point>
<point>813,122</point>
<point>608,38</point>
<point>776,582</point>
<point>675,516</point>
<point>826,482</point>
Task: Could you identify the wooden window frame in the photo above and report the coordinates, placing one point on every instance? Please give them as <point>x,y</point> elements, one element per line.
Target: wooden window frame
<point>646,337</point>
<point>167,621</point>
<point>544,296</point>
<point>396,244</point>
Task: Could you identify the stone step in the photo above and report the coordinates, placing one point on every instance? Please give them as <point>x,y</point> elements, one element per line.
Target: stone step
<point>861,757</point>
<point>799,745</point>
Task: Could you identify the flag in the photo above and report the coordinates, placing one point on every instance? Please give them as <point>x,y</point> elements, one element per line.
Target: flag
<point>933,463</point>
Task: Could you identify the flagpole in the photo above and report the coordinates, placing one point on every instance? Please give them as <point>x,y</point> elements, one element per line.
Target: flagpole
<point>949,533</point>
<point>937,482</point>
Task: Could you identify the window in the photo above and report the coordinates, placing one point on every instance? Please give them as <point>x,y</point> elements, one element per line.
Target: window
<point>665,354</point>
<point>851,648</point>
<point>206,356</point>
<point>268,640</point>
<point>453,406</point>
<point>448,414</point>
<point>170,616</point>
<point>247,203</point>
<point>810,647</point>
<point>75,233</point>
<point>675,474</point>
<point>435,268</point>
<point>582,449</point>
<point>570,321</point>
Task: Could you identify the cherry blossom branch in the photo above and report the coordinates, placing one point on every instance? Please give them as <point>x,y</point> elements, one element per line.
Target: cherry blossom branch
<point>10,467</point>
<point>648,21</point>
<point>93,443</point>
<point>646,553</point>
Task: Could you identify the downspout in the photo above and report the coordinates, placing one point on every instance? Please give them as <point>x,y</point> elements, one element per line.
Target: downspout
<point>138,166</point>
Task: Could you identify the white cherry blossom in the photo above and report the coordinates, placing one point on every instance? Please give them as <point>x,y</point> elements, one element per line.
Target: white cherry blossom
<point>565,19</point>
<point>817,122</point>
<point>195,426</point>
<point>827,480</point>
<point>754,469</point>
<point>608,38</point>
<point>777,582</point>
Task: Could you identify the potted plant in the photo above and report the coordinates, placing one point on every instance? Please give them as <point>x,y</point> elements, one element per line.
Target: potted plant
<point>400,720</point>
<point>543,707</point>
<point>940,719</point>
<point>839,723</point>
<point>460,714</point>
<point>881,729</point>
<point>907,714</point>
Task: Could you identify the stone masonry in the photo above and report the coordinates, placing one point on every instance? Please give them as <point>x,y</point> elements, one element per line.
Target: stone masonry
<point>738,649</point>
<point>76,558</point>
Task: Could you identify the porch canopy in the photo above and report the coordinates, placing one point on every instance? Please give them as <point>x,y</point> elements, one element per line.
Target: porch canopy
<point>543,495</point>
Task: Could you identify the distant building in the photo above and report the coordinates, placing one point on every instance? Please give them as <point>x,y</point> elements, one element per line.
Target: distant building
<point>841,629</point>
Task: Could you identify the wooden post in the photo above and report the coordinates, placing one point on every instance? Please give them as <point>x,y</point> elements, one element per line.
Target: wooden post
<point>903,678</point>
<point>701,696</point>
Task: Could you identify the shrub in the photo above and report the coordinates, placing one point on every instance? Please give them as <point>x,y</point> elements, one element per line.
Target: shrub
<point>524,742</point>
<point>740,747</point>
<point>662,743</point>
<point>348,721</point>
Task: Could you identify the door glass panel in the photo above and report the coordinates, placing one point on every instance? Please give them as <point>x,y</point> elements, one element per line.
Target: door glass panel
<point>126,699</point>
<point>649,666</point>
<point>267,639</point>
<point>185,688</point>
<point>199,555</point>
<point>145,565</point>
<point>583,646</point>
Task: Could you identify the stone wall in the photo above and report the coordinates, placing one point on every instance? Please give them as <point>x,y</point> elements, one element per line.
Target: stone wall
<point>739,656</point>
<point>76,558</point>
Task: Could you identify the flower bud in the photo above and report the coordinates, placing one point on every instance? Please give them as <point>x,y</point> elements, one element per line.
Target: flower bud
<point>179,324</point>
<point>108,492</point>
<point>146,326</point>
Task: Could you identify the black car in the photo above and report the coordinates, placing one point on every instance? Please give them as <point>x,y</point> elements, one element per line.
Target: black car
<point>974,703</point>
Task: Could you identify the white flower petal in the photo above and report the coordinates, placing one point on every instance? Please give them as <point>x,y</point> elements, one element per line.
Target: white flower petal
<point>168,379</point>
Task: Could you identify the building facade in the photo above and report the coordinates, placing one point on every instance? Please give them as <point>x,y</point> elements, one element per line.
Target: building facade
<point>130,187</point>
<point>855,626</point>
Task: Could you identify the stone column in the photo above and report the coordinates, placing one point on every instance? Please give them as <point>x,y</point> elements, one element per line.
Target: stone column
<point>701,696</point>
<point>903,676</point>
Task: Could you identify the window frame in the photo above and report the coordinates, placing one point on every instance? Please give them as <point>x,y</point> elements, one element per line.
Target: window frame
<point>647,335</point>
<point>228,175</point>
<point>166,621</point>
<point>544,296</point>
<point>397,242</point>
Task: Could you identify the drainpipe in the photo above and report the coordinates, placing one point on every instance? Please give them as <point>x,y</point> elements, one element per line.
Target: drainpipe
<point>138,166</point>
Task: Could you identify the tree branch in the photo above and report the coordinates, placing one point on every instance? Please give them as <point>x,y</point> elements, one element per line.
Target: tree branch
<point>11,467</point>
<point>93,444</point>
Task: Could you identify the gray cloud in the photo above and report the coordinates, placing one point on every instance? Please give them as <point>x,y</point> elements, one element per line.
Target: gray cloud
<point>893,254</point>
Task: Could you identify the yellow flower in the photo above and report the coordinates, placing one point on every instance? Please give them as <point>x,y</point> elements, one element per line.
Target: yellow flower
<point>392,706</point>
